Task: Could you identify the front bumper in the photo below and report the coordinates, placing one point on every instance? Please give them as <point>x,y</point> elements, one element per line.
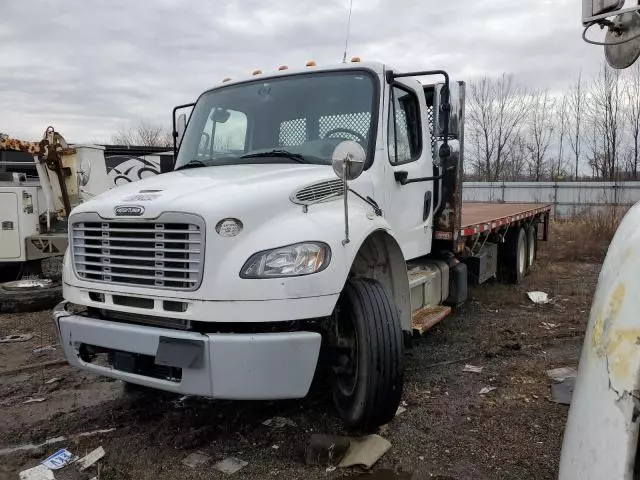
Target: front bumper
<point>263,366</point>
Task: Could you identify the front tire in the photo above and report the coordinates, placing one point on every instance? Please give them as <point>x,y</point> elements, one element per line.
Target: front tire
<point>367,356</point>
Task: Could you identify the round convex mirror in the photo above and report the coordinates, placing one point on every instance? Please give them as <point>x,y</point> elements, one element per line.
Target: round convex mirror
<point>348,160</point>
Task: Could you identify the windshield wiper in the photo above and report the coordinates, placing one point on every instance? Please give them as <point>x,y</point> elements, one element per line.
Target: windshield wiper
<point>296,157</point>
<point>191,164</point>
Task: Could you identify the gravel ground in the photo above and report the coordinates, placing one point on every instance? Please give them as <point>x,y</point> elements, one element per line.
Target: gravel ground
<point>449,430</point>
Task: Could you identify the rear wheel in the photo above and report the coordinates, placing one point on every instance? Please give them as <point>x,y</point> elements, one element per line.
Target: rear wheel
<point>514,255</point>
<point>367,357</point>
<point>532,239</point>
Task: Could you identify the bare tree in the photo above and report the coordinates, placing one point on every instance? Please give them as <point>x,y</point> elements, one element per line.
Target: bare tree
<point>606,116</point>
<point>144,134</point>
<point>540,132</point>
<point>496,110</point>
<point>576,112</point>
<point>516,163</point>
<point>562,118</point>
<point>632,111</point>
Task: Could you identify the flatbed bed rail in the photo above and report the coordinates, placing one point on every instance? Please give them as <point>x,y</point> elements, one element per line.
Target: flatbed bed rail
<point>483,217</point>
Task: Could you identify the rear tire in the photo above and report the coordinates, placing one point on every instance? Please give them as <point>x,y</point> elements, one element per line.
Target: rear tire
<point>368,358</point>
<point>29,295</point>
<point>532,246</point>
<point>514,255</point>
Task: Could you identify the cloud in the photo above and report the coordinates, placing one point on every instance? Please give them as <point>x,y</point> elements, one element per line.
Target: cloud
<point>89,68</point>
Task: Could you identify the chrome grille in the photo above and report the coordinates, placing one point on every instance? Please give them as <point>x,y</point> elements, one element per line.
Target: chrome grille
<point>161,253</point>
<point>318,192</point>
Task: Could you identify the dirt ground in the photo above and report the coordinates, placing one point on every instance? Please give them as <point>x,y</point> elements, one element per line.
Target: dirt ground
<point>449,430</point>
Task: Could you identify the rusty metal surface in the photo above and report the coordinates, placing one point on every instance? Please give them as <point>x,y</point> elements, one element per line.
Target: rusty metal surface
<point>478,213</point>
<point>13,144</point>
<point>425,318</point>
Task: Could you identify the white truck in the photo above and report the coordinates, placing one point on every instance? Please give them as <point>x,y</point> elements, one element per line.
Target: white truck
<point>313,220</point>
<point>40,182</point>
<point>601,436</point>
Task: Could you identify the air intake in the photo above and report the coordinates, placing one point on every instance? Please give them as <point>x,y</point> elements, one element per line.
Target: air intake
<point>318,192</point>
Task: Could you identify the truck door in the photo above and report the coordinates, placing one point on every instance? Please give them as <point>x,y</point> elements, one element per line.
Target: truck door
<point>408,208</point>
<point>10,241</point>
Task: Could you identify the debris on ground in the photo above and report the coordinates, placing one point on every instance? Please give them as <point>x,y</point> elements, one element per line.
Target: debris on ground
<point>52,380</point>
<point>179,403</point>
<point>539,298</point>
<point>278,422</point>
<point>37,473</point>
<point>31,446</point>
<point>486,390</point>
<point>44,349</point>
<point>472,369</point>
<point>92,433</point>
<point>365,451</point>
<point>562,392</point>
<point>59,459</point>
<point>548,326</point>
<point>561,374</point>
<point>326,449</point>
<point>196,459</point>
<point>91,458</point>
<point>34,400</point>
<point>230,465</point>
<point>400,410</point>
<point>564,379</point>
<point>330,469</point>
<point>50,441</point>
<point>16,338</point>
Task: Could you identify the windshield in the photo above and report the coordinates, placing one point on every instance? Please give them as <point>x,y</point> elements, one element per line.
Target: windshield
<point>296,119</point>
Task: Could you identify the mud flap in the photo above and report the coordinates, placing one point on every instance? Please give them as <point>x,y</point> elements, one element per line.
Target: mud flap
<point>180,353</point>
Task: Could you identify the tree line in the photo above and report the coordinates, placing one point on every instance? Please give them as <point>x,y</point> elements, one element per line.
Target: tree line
<point>591,130</point>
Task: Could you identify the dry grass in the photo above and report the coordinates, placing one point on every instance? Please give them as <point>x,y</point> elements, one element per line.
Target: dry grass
<point>587,235</point>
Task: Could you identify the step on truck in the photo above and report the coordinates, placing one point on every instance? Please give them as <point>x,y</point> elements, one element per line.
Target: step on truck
<point>313,223</point>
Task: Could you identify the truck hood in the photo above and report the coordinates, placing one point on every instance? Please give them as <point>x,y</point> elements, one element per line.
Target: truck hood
<point>226,190</point>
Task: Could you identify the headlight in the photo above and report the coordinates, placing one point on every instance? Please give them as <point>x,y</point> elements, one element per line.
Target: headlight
<point>291,261</point>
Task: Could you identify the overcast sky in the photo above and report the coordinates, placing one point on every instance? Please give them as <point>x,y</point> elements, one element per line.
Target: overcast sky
<point>89,67</point>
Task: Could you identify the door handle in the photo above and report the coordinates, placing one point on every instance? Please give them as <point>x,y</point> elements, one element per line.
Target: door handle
<point>426,213</point>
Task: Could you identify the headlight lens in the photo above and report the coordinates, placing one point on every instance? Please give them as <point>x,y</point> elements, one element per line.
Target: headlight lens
<point>291,261</point>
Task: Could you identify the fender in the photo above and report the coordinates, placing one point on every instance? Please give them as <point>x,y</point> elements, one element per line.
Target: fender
<point>601,435</point>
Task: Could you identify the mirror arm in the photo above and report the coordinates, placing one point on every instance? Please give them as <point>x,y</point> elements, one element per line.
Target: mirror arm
<point>376,208</point>
<point>445,105</point>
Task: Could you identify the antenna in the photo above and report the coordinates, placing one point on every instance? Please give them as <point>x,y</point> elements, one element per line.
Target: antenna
<point>346,40</point>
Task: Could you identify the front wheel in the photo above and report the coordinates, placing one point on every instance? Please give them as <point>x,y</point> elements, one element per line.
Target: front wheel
<point>367,357</point>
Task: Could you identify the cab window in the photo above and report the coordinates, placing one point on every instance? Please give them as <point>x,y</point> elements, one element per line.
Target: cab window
<point>404,139</point>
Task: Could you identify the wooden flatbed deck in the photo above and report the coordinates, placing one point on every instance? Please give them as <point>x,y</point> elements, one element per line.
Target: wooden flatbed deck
<point>480,217</point>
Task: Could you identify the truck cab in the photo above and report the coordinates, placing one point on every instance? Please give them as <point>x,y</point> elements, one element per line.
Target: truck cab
<point>252,265</point>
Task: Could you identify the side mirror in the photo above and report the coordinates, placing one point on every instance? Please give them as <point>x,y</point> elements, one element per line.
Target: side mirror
<point>84,172</point>
<point>181,126</point>
<point>592,8</point>
<point>348,160</point>
<point>454,101</point>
